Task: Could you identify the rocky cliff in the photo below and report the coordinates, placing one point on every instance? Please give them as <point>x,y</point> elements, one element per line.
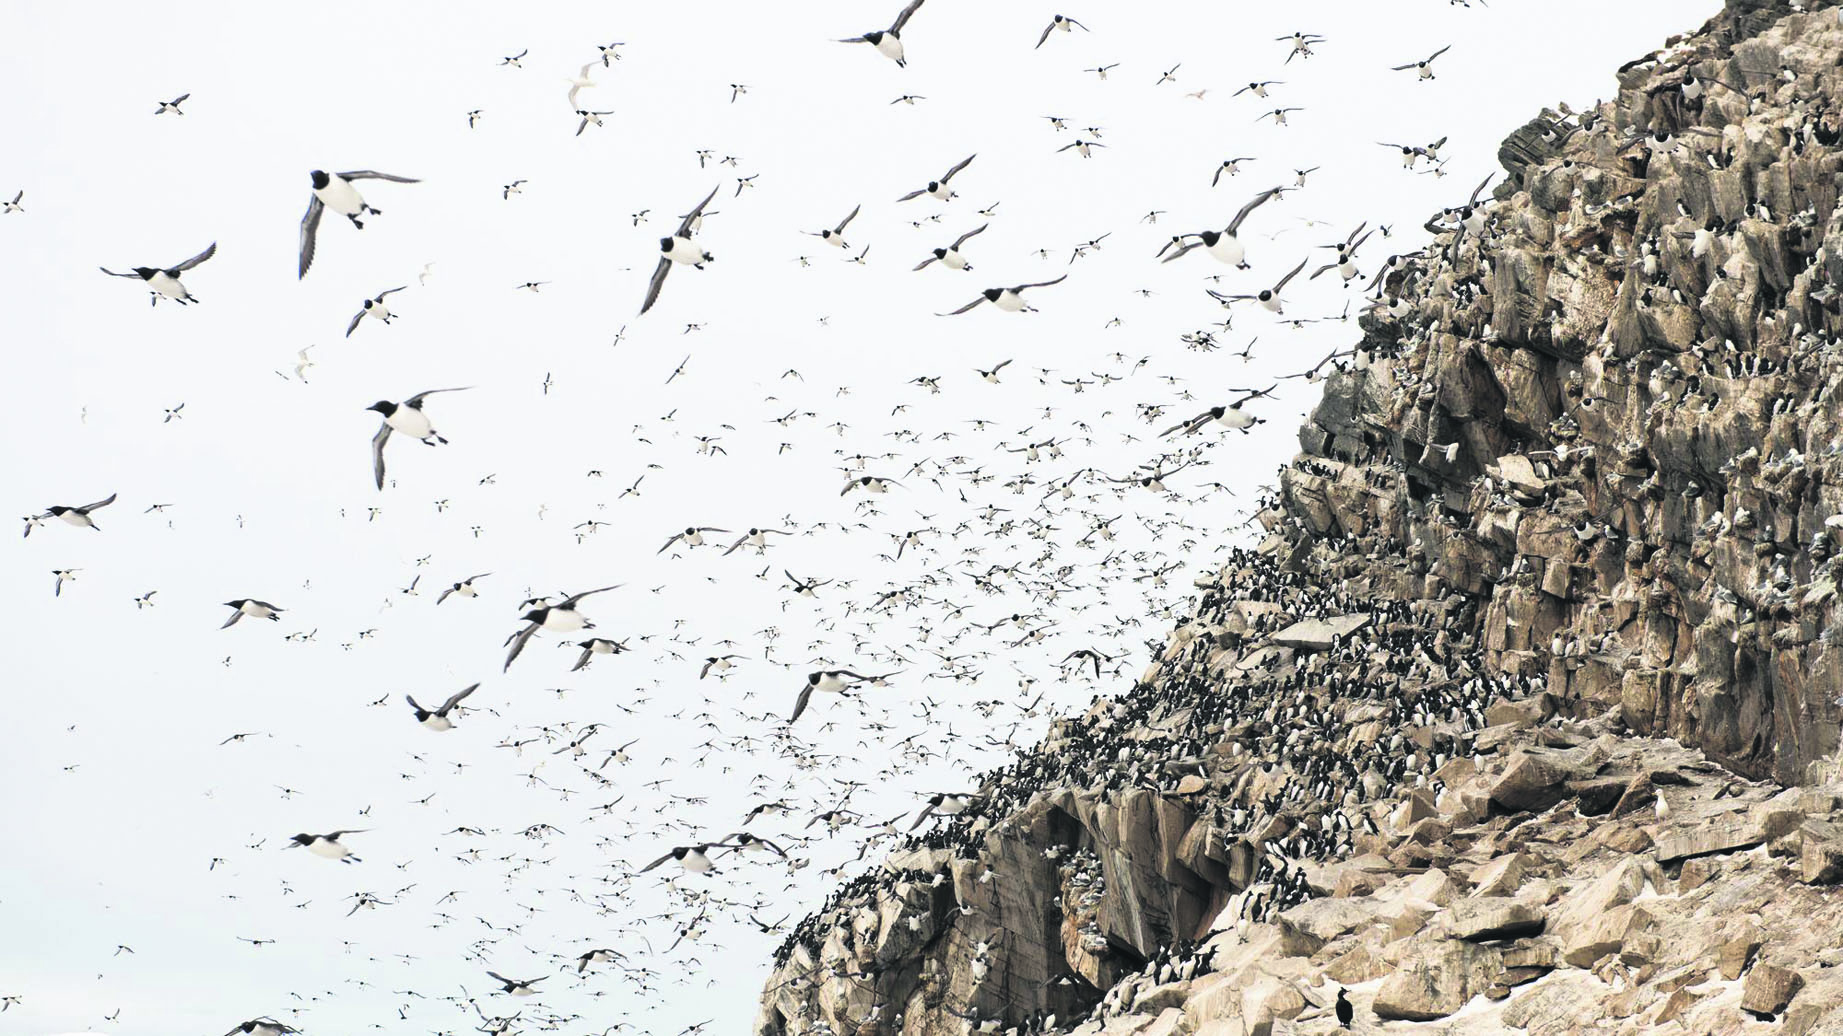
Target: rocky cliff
<point>1524,714</point>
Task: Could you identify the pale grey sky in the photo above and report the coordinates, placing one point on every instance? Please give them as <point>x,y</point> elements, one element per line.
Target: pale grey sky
<point>120,797</point>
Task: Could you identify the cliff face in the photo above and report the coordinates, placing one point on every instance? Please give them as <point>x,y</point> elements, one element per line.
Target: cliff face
<point>1501,724</point>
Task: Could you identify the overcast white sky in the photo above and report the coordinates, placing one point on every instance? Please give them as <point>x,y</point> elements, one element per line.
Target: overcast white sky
<point>120,797</point>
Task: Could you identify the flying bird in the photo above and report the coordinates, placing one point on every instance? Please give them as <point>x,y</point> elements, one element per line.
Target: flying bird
<point>437,719</point>
<point>950,256</point>
<point>1269,298</point>
<point>374,307</point>
<point>1222,245</point>
<point>171,106</point>
<point>1424,69</point>
<point>1011,299</point>
<point>889,41</point>
<point>939,188</point>
<point>335,191</point>
<point>679,248</point>
<point>1058,24</point>
<point>166,282</point>
<point>406,417</point>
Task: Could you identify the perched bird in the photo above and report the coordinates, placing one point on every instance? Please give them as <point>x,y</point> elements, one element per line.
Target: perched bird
<point>1011,299</point>
<point>939,188</point>
<point>1058,24</point>
<point>165,283</point>
<point>406,417</point>
<point>374,307</point>
<point>1344,1008</point>
<point>438,720</point>
<point>335,191</point>
<point>679,248</point>
<point>889,41</point>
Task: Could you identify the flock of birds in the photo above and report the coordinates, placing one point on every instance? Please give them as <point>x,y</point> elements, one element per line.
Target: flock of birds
<point>1016,552</point>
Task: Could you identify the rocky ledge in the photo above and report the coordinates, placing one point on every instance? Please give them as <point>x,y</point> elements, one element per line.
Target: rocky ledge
<point>1524,716</point>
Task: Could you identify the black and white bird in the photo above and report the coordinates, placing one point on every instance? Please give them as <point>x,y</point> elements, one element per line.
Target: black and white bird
<point>830,681</point>
<point>889,41</point>
<point>835,236</point>
<point>327,845</point>
<point>757,538</point>
<point>1222,245</point>
<point>603,956</point>
<point>950,256</point>
<point>596,646</point>
<point>1258,89</point>
<point>1269,298</point>
<point>558,618</point>
<point>516,986</point>
<point>253,608</point>
<point>1011,299</point>
<point>1082,148</point>
<point>939,188</point>
<point>375,308</point>
<point>693,536</point>
<point>264,1026</point>
<point>165,282</point>
<point>335,191</point>
<point>1424,69</point>
<point>1230,166</point>
<point>1058,24</point>
<point>78,516</point>
<point>679,248</point>
<point>694,858</point>
<point>13,206</point>
<point>437,719</point>
<point>589,119</point>
<point>944,804</point>
<point>1230,415</point>
<point>465,588</point>
<point>717,663</point>
<point>406,417</point>
<point>172,106</point>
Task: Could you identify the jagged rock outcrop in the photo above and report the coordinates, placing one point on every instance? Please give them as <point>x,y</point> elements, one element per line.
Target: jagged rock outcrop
<point>1525,714</point>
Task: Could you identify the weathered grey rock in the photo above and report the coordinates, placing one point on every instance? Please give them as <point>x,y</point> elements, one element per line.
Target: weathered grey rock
<point>1724,835</point>
<point>1437,981</point>
<point>1318,634</point>
<point>1769,989</point>
<point>1484,920</point>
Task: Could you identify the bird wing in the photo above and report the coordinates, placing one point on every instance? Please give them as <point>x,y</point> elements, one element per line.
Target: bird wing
<point>381,294</point>
<point>658,282</point>
<point>1183,249</point>
<point>1288,277</point>
<point>1235,223</point>
<point>1437,53</point>
<point>968,160</point>
<point>903,18</point>
<point>966,307</point>
<point>1214,180</point>
<point>353,326</point>
<point>455,698</point>
<point>1403,68</point>
<point>372,174</point>
<point>573,598</point>
<point>235,614</point>
<point>907,197</point>
<point>684,228</point>
<point>1322,269</point>
<point>927,811</point>
<point>806,695</point>
<point>580,662</point>
<point>413,704</point>
<point>655,863</point>
<point>1351,241</point>
<point>416,400</point>
<point>923,264</point>
<point>87,508</point>
<point>675,538</point>
<point>1042,284</point>
<point>962,239</point>
<point>500,978</point>
<point>377,451</point>
<point>519,641</point>
<point>1476,191</point>
<point>209,251</point>
<point>844,222</point>
<point>1045,36</point>
<point>310,225</point>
